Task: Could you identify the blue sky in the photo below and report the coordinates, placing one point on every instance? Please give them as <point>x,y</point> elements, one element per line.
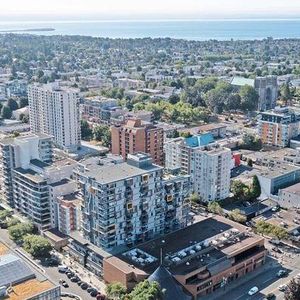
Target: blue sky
<point>111,9</point>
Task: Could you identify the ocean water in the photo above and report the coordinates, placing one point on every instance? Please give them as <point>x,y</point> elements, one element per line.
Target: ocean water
<point>183,29</point>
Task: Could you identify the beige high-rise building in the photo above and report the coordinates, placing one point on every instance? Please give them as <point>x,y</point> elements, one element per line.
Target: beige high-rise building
<point>54,110</point>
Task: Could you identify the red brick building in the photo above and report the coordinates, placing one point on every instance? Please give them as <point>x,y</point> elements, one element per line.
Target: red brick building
<point>202,258</point>
<point>136,136</point>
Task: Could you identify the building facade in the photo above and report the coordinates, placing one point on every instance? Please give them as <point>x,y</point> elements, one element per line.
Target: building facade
<point>289,197</point>
<point>208,164</point>
<point>266,88</point>
<point>277,127</point>
<point>203,257</point>
<point>54,110</point>
<point>136,136</point>
<point>131,202</point>
<point>69,213</point>
<point>279,176</point>
<point>18,152</point>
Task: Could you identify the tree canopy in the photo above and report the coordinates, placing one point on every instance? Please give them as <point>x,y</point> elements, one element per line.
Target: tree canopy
<point>102,133</point>
<point>86,131</point>
<point>268,229</point>
<point>37,246</point>
<point>215,208</point>
<point>19,231</point>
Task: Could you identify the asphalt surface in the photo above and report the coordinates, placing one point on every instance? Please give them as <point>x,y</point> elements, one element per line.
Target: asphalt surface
<point>73,288</point>
<point>52,272</point>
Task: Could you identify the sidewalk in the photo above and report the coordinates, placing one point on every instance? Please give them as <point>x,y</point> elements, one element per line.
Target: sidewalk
<point>83,273</point>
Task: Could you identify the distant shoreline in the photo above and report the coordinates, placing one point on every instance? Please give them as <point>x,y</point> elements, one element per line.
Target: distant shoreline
<point>27,30</point>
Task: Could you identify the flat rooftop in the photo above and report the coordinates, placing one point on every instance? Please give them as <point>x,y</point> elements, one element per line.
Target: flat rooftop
<point>207,243</point>
<point>113,173</point>
<point>278,170</point>
<point>10,140</point>
<point>31,175</point>
<point>29,282</point>
<point>293,189</point>
<point>203,128</point>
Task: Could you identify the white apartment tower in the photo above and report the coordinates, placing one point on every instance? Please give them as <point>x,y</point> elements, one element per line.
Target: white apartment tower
<point>54,110</point>
<point>208,164</point>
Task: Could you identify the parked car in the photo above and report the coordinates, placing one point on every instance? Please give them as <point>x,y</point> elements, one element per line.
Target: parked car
<point>282,287</point>
<point>282,273</point>
<point>270,296</point>
<point>3,225</point>
<point>275,208</point>
<point>253,291</point>
<point>70,274</point>
<point>62,269</point>
<point>52,262</point>
<point>90,288</point>
<point>84,285</point>
<point>79,282</point>
<point>93,290</point>
<point>75,279</point>
<point>63,283</point>
<point>94,293</point>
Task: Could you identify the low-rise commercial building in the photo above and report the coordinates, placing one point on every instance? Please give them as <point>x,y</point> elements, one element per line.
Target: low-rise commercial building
<point>20,281</point>
<point>289,197</point>
<point>202,257</point>
<point>277,177</point>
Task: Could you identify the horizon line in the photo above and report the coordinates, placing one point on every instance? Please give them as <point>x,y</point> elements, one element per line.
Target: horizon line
<point>217,19</point>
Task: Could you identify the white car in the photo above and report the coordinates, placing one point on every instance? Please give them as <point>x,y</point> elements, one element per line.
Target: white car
<point>282,287</point>
<point>253,291</point>
<point>62,269</point>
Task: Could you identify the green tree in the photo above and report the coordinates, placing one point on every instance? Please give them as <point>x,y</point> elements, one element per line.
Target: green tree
<point>236,216</point>
<point>18,231</point>
<point>23,102</point>
<point>250,162</point>
<point>251,142</point>
<point>214,207</point>
<point>255,188</point>
<point>37,246</point>
<point>173,99</point>
<point>102,133</point>
<point>12,222</point>
<point>12,104</point>
<point>86,131</point>
<point>268,229</point>
<point>194,198</point>
<point>249,98</point>
<point>6,112</point>
<point>4,214</point>
<point>233,102</point>
<point>240,190</point>
<point>292,291</point>
<point>286,93</point>
<point>115,291</point>
<point>146,290</point>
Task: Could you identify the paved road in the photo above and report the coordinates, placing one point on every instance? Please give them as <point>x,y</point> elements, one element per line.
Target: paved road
<point>51,272</point>
<point>266,280</point>
<point>73,287</point>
